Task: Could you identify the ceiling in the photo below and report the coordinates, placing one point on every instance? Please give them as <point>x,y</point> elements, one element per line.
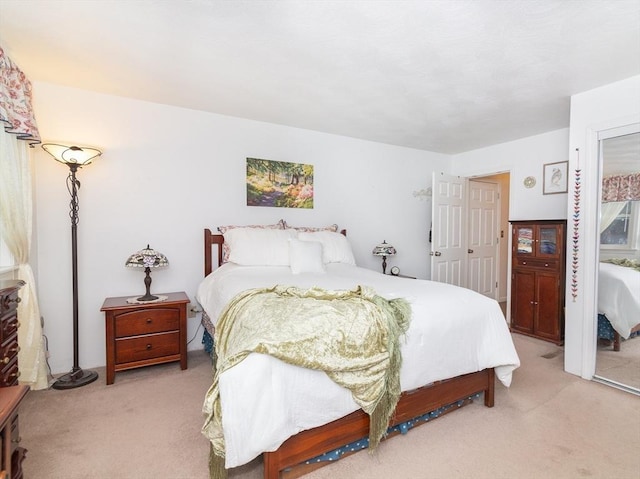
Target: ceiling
<point>439,75</point>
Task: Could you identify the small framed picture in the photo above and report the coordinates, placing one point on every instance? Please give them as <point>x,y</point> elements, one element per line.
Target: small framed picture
<point>555,178</point>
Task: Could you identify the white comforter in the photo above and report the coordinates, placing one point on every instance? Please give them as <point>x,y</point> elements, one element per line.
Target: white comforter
<point>619,297</point>
<point>453,331</point>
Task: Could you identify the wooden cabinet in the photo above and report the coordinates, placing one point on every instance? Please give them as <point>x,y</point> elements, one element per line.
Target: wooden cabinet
<point>10,392</point>
<point>142,334</point>
<point>538,278</point>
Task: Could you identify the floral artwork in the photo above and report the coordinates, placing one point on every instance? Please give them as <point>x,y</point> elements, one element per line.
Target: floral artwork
<point>279,184</point>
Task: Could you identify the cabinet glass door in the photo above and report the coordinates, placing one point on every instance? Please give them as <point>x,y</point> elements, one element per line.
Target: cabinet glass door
<point>524,239</point>
<point>548,241</point>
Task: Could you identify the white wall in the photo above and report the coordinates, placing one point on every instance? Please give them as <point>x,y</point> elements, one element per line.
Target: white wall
<point>166,173</point>
<point>522,158</point>
<point>612,106</point>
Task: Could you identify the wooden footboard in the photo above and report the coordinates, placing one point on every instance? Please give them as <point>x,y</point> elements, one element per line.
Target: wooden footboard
<point>313,442</point>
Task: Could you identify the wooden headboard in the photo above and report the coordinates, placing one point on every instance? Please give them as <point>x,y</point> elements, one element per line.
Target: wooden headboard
<point>211,239</point>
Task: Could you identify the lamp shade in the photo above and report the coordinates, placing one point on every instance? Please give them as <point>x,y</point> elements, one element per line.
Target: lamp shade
<point>384,249</point>
<point>147,258</point>
<point>71,155</point>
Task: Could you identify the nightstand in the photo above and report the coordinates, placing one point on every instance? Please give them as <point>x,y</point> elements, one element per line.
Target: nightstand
<point>142,334</point>
<point>401,276</point>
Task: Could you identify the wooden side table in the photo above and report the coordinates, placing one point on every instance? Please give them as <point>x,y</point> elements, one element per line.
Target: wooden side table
<point>142,334</point>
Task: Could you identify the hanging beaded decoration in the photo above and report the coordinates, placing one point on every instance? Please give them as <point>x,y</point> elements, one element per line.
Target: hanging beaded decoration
<point>576,228</point>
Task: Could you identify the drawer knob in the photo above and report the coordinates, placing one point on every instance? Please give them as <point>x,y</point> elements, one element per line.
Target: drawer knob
<point>15,300</point>
<point>546,264</point>
<point>17,441</point>
<point>6,360</point>
<point>149,320</point>
<point>148,346</point>
<point>15,375</point>
<point>524,262</point>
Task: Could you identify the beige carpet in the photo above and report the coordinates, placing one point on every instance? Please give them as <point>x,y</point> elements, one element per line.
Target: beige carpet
<point>146,425</point>
<point>620,366</point>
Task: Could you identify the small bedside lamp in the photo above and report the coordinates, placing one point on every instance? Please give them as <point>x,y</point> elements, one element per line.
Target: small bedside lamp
<point>384,249</point>
<point>147,259</point>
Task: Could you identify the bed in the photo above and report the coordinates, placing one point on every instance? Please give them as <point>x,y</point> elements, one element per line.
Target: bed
<point>458,343</point>
<point>618,303</point>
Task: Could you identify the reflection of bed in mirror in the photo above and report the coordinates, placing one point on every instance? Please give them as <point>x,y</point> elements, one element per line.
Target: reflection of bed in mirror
<point>618,303</point>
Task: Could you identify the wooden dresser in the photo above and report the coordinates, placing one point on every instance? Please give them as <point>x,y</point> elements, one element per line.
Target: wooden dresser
<point>538,279</point>
<point>142,334</point>
<point>9,324</point>
<point>11,394</point>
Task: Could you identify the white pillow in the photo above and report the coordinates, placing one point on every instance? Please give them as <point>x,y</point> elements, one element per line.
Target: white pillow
<point>259,247</point>
<point>305,256</point>
<point>335,246</point>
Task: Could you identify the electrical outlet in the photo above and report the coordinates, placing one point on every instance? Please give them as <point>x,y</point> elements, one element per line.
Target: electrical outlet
<point>191,310</point>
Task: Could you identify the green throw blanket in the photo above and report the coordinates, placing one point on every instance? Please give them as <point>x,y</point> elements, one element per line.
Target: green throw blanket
<point>353,336</point>
<point>629,263</point>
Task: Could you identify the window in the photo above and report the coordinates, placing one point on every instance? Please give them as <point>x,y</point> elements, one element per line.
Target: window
<point>622,233</point>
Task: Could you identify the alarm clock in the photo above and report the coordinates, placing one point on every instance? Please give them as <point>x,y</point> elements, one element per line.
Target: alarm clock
<point>395,271</point>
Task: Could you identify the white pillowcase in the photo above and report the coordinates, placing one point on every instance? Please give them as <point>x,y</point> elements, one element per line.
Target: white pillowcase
<point>259,247</point>
<point>335,246</point>
<point>305,256</point>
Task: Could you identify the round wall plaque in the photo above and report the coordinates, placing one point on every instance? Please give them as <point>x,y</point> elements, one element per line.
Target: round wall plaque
<point>529,182</point>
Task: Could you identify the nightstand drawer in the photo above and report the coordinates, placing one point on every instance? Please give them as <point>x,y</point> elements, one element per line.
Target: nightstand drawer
<point>147,321</point>
<point>147,347</point>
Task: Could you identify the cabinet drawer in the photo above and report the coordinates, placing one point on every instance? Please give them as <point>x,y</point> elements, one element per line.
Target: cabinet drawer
<point>146,321</point>
<point>147,347</point>
<point>9,303</point>
<point>8,325</point>
<point>536,263</point>
<point>9,374</point>
<point>9,349</point>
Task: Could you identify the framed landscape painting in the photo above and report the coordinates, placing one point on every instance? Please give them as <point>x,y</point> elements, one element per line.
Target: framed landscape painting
<point>279,184</point>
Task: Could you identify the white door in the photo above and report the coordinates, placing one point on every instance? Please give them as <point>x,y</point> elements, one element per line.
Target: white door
<point>448,250</point>
<point>484,221</point>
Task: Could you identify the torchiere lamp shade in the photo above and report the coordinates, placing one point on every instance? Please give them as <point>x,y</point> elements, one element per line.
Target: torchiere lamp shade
<point>71,155</point>
<point>147,258</point>
<point>384,249</point>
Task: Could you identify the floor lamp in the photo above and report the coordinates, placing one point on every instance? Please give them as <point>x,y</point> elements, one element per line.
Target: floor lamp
<point>74,157</point>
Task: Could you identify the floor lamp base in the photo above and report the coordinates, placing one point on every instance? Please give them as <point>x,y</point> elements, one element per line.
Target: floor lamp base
<point>75,379</point>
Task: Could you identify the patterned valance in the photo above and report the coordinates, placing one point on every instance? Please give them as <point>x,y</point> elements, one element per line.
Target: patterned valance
<point>16,111</point>
<point>621,188</point>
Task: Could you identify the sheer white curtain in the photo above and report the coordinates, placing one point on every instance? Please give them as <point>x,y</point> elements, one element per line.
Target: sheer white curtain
<point>609,212</point>
<point>16,215</point>
<point>16,212</point>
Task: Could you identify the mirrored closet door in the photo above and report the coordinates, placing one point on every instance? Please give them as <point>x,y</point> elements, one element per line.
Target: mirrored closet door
<point>618,268</point>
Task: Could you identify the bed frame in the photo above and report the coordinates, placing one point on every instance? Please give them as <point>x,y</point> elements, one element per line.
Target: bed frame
<point>313,442</point>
